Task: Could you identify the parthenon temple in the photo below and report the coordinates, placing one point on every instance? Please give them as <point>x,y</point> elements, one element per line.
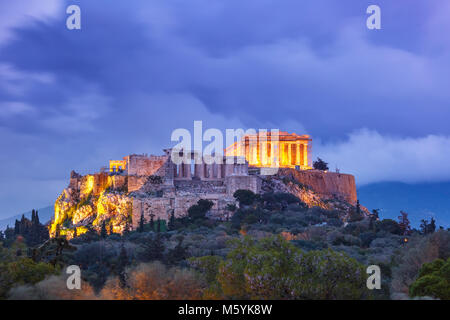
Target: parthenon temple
<point>284,150</point>
<point>267,150</point>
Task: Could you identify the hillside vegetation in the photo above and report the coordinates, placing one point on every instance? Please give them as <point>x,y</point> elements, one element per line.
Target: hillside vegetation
<point>273,247</point>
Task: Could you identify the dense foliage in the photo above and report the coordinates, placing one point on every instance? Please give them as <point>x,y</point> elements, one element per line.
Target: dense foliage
<point>272,268</point>
<point>273,247</point>
<point>433,280</point>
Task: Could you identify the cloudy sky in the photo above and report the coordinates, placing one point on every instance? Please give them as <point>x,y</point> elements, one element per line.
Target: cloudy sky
<point>376,102</point>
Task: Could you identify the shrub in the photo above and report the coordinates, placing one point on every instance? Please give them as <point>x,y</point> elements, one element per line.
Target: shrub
<point>52,288</point>
<point>320,165</point>
<point>367,238</point>
<point>418,251</point>
<point>388,225</point>
<point>433,280</point>
<point>278,200</point>
<point>275,269</point>
<point>155,282</point>
<point>199,210</point>
<point>23,271</point>
<point>244,197</point>
<point>154,179</point>
<point>335,222</point>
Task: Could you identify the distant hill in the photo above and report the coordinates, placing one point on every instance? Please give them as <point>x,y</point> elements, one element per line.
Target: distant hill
<point>420,201</point>
<point>45,215</point>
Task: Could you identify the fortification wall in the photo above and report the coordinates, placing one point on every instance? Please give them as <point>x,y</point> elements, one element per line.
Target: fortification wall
<point>141,165</point>
<point>327,184</point>
<point>234,183</point>
<point>161,208</point>
<point>136,182</point>
<point>199,186</point>
<point>119,182</point>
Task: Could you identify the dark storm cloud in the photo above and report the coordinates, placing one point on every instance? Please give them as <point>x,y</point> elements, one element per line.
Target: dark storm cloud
<point>135,72</point>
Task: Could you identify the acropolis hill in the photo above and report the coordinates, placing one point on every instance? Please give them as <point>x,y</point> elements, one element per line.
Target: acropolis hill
<point>155,186</point>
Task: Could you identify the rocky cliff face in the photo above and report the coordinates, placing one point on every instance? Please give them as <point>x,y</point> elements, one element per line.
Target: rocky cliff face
<point>119,200</point>
<point>89,201</point>
<point>328,185</point>
<point>327,190</point>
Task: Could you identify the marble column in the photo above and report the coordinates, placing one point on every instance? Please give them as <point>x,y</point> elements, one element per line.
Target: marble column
<point>254,151</point>
<point>302,154</point>
<point>219,171</point>
<point>247,149</point>
<point>276,154</point>
<point>289,155</point>
<point>305,155</point>
<point>210,171</point>
<point>270,153</point>
<point>187,170</point>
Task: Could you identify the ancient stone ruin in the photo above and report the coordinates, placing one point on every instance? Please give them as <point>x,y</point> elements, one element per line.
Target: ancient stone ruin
<point>157,187</point>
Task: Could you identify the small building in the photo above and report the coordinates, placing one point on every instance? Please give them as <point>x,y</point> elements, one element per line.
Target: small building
<point>117,165</point>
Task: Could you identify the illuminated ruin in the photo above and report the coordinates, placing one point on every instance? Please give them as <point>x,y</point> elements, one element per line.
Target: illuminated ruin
<point>159,187</point>
<point>283,150</point>
<point>117,165</point>
<point>280,150</point>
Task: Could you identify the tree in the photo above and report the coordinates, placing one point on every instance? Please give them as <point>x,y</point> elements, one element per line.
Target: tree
<point>158,227</point>
<point>57,231</point>
<point>404,223</point>
<point>205,205</point>
<point>427,227</point>
<point>414,255</point>
<point>320,165</point>
<point>103,232</point>
<point>141,223</point>
<point>373,217</point>
<point>375,214</point>
<point>171,224</point>
<point>154,249</point>
<point>152,223</point>
<point>177,254</point>
<point>158,247</point>
<point>16,227</point>
<point>32,230</point>
<point>208,266</point>
<point>38,233</point>
<point>9,234</point>
<point>244,197</point>
<point>278,201</point>
<point>273,268</point>
<point>433,280</point>
<point>356,214</point>
<point>127,227</point>
<point>388,225</point>
<point>198,211</point>
<point>153,281</point>
<point>23,271</point>
<point>121,266</point>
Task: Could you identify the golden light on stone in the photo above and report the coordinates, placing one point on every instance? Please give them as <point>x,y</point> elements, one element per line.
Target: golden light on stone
<point>92,199</point>
<point>117,165</point>
<point>283,150</point>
